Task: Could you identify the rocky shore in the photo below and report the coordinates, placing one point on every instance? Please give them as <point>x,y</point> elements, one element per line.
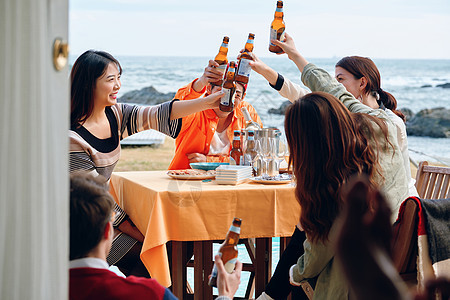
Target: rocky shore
<point>146,96</point>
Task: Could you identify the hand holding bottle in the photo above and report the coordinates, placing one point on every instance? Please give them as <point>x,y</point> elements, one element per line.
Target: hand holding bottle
<point>261,68</point>
<point>227,284</point>
<point>288,47</point>
<point>213,100</point>
<point>210,74</point>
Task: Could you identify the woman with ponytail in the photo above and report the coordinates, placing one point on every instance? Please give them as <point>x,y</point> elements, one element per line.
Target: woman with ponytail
<point>361,78</point>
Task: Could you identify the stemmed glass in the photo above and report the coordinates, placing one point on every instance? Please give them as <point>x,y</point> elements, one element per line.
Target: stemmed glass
<point>268,152</point>
<point>258,160</point>
<point>279,151</point>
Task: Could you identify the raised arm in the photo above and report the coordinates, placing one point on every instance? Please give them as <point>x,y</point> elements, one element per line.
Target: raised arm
<point>182,109</point>
<point>318,79</point>
<point>284,86</point>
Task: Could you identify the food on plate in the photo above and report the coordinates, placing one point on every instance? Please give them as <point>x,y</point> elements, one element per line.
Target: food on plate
<point>191,172</point>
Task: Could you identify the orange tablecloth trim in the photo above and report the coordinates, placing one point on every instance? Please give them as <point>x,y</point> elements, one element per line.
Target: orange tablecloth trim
<point>165,209</point>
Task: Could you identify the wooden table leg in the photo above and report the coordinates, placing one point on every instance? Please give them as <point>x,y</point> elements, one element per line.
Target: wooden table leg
<point>263,268</point>
<point>207,265</point>
<point>179,275</point>
<point>198,270</point>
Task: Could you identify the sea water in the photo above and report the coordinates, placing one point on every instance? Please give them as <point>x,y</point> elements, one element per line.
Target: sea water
<point>402,78</point>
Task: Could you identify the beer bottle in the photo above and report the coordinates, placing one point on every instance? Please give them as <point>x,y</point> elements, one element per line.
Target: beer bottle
<point>249,123</point>
<point>243,72</point>
<point>228,251</point>
<point>228,87</point>
<point>221,58</point>
<point>250,148</point>
<point>236,152</point>
<point>277,28</point>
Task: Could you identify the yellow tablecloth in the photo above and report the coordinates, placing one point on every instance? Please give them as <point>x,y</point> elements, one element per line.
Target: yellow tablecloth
<point>165,209</point>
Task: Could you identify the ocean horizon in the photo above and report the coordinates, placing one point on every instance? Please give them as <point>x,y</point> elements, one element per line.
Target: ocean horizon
<point>404,78</point>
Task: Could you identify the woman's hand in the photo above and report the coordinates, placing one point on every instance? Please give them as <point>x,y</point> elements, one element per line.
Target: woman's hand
<point>288,47</point>
<point>181,109</point>
<point>261,68</point>
<point>196,157</point>
<point>258,65</point>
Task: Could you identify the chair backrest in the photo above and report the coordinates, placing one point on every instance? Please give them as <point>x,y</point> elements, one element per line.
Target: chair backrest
<point>432,182</point>
<point>404,241</point>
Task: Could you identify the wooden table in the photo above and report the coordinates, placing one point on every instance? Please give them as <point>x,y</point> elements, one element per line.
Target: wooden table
<point>165,209</point>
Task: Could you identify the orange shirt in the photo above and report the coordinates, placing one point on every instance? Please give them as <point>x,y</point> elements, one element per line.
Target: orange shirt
<point>198,129</point>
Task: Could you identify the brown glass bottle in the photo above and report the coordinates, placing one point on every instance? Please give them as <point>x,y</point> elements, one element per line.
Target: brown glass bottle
<point>236,152</point>
<point>277,28</point>
<point>243,71</point>
<point>228,87</point>
<point>228,251</point>
<point>221,58</point>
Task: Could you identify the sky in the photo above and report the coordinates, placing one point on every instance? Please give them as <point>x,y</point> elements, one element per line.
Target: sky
<point>321,28</point>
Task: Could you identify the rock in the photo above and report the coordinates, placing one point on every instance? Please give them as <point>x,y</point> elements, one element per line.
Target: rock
<point>280,110</point>
<point>148,96</point>
<point>444,86</point>
<point>434,122</point>
<point>426,86</point>
<point>407,112</point>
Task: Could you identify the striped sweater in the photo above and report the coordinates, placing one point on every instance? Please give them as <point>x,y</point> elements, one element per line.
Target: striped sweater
<point>100,156</point>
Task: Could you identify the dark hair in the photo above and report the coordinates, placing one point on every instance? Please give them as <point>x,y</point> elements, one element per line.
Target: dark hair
<point>88,67</point>
<point>91,208</point>
<point>328,144</point>
<point>364,67</point>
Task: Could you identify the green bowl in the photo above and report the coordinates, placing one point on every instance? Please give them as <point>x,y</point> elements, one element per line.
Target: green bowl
<point>206,165</point>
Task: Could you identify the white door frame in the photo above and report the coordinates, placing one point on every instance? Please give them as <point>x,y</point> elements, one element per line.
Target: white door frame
<point>34,122</point>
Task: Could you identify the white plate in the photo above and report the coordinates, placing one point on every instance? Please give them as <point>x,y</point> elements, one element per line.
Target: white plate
<point>191,177</point>
<point>265,181</point>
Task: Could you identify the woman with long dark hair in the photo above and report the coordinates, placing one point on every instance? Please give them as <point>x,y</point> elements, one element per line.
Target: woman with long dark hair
<point>331,136</point>
<point>98,123</point>
<point>361,77</point>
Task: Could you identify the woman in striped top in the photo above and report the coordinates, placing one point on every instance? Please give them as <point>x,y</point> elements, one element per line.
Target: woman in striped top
<point>98,123</point>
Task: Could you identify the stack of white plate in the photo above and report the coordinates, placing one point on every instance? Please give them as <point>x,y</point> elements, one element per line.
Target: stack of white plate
<point>232,174</point>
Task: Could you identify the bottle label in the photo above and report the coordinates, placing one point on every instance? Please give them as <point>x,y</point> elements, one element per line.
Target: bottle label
<point>273,35</point>
<point>227,97</point>
<point>222,68</point>
<point>224,45</point>
<point>279,9</point>
<point>244,67</point>
<point>234,228</point>
<point>250,41</point>
<point>229,265</point>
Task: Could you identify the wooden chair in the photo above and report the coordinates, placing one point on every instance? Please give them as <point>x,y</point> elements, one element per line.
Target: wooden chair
<point>432,182</point>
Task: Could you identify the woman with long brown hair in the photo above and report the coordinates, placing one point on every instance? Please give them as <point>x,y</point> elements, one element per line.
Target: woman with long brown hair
<point>361,77</point>
<point>332,136</point>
